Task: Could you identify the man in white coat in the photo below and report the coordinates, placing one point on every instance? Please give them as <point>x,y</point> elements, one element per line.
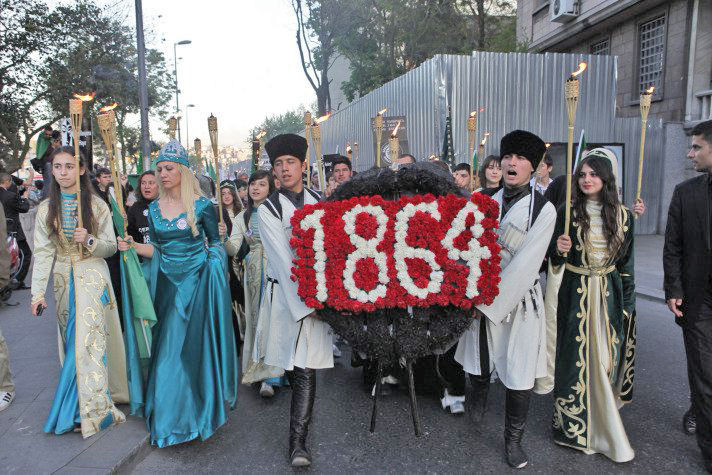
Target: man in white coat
<point>510,335</point>
<point>296,340</point>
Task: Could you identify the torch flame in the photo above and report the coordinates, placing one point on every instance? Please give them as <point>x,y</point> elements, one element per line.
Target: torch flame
<point>395,131</point>
<point>109,107</point>
<point>85,97</point>
<point>650,90</point>
<point>581,68</point>
<point>348,148</point>
<point>381,112</point>
<point>261,134</point>
<point>473,113</point>
<point>322,118</point>
<point>548,145</point>
<point>484,139</point>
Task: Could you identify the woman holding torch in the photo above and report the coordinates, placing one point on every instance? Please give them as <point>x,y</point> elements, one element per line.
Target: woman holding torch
<point>596,337</point>
<point>91,348</point>
<point>193,371</point>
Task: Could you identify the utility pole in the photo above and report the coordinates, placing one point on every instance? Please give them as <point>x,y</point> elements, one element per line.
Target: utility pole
<point>175,72</point>
<point>143,88</point>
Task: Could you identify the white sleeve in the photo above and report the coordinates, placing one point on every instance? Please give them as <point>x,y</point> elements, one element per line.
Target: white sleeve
<point>523,269</point>
<point>279,257</point>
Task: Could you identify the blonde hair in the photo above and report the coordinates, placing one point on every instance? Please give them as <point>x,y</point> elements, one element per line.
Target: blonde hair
<point>189,193</point>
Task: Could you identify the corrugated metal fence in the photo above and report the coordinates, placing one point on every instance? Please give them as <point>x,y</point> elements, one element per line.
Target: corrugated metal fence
<point>517,91</point>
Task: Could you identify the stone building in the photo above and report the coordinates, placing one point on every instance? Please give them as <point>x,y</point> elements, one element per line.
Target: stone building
<point>666,44</point>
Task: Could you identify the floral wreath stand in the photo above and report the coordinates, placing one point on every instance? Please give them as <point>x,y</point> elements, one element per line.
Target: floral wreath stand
<point>389,334</point>
<point>395,336</point>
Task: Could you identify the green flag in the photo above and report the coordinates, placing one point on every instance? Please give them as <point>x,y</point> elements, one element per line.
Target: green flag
<point>581,149</point>
<point>138,307</point>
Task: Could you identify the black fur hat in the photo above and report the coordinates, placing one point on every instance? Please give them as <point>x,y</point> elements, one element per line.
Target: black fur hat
<point>286,144</point>
<point>523,143</point>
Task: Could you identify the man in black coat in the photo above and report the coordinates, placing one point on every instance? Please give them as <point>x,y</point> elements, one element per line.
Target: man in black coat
<point>13,205</point>
<point>687,260</point>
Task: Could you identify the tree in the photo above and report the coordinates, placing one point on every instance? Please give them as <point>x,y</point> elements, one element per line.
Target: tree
<point>290,122</point>
<point>75,47</point>
<point>316,30</point>
<point>383,39</point>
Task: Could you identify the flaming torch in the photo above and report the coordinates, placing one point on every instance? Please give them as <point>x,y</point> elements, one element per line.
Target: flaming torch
<point>394,145</point>
<point>172,126</point>
<point>645,99</point>
<point>349,153</point>
<point>76,111</point>
<point>308,136</point>
<point>213,131</point>
<point>471,126</point>
<point>198,147</point>
<point>355,153</point>
<point>571,94</point>
<point>316,135</point>
<point>107,127</point>
<point>379,132</point>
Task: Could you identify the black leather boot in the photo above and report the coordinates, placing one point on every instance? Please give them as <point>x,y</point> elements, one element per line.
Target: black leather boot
<point>515,419</point>
<point>480,390</point>
<point>689,422</point>
<point>303,382</point>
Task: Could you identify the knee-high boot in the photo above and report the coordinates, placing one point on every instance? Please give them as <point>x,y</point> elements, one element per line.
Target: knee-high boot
<point>480,390</point>
<point>303,382</point>
<point>517,406</point>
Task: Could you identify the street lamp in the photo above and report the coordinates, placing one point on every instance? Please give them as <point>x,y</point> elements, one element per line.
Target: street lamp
<point>187,134</point>
<point>175,73</point>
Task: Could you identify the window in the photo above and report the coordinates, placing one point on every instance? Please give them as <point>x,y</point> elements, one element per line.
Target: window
<point>651,44</point>
<point>601,47</point>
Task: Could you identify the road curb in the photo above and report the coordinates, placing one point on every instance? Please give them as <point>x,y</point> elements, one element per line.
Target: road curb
<point>133,458</point>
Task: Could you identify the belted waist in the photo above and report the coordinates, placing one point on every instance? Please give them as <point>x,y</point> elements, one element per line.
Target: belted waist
<point>590,271</point>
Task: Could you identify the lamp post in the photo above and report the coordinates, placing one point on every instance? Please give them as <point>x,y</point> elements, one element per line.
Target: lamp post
<point>142,87</point>
<point>187,132</point>
<point>175,73</point>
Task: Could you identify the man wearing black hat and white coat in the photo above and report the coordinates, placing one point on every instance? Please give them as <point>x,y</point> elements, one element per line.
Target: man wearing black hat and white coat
<point>509,336</point>
<point>295,341</point>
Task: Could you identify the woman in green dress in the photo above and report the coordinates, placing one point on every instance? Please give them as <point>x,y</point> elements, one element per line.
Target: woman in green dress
<point>595,350</point>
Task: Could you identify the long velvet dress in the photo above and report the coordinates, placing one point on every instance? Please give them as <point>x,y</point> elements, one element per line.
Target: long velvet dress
<point>595,353</point>
<point>193,372</point>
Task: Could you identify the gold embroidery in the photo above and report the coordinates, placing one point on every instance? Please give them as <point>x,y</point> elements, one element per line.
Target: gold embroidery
<point>567,406</point>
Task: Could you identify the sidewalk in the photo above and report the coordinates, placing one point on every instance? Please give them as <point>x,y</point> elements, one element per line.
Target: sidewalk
<point>24,447</point>
<point>649,267</point>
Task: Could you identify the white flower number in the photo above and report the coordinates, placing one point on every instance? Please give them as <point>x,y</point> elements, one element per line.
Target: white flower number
<point>403,251</point>
<point>313,221</point>
<point>474,251</point>
<point>366,248</point>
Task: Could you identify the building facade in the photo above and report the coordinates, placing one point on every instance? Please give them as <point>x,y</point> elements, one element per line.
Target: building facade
<point>665,44</point>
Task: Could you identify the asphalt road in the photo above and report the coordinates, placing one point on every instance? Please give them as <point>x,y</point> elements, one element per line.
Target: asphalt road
<point>255,438</point>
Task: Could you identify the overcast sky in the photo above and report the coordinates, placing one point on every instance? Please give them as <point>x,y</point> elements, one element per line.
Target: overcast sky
<point>242,65</point>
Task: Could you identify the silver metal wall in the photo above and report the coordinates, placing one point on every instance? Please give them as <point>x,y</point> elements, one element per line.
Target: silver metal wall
<point>517,91</point>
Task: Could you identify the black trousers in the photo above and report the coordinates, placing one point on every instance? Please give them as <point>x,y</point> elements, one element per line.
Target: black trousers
<point>26,259</point>
<point>698,346</point>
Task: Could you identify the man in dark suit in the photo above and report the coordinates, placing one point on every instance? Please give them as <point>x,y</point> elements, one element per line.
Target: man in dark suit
<point>687,259</point>
<point>13,206</point>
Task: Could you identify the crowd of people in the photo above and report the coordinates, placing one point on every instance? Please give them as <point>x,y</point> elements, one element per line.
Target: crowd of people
<point>220,283</point>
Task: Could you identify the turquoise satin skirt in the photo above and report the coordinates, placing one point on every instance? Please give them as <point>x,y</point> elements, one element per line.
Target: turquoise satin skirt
<point>64,415</point>
<point>193,373</point>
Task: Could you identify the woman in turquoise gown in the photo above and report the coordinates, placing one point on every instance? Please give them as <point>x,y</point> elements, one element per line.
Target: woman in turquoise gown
<point>193,372</point>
